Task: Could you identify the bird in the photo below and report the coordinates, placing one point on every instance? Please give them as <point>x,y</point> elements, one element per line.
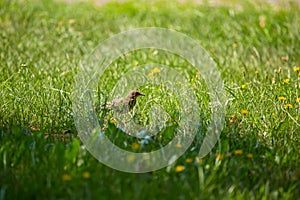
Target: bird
<point>125,104</point>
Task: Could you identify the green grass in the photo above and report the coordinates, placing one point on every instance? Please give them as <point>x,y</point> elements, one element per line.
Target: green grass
<point>41,157</point>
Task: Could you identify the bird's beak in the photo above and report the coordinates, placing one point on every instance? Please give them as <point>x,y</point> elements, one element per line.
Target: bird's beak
<point>140,94</point>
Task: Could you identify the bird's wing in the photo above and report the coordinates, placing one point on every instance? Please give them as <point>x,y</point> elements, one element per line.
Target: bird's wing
<point>119,104</point>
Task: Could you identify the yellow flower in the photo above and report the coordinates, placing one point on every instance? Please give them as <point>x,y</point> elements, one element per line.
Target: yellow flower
<point>286,80</point>
<point>66,177</point>
<point>281,98</point>
<point>130,158</point>
<point>220,156</point>
<point>151,75</point>
<point>288,106</point>
<point>256,72</point>
<point>136,63</point>
<point>238,152</point>
<point>262,21</point>
<point>112,121</point>
<point>296,68</point>
<point>135,146</point>
<point>188,160</point>
<point>243,86</point>
<point>262,24</point>
<point>244,112</point>
<point>86,175</point>
<point>179,168</point>
<point>249,155</point>
<point>156,70</point>
<point>72,21</point>
<point>298,100</point>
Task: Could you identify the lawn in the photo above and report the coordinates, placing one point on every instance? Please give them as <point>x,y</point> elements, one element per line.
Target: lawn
<point>256,48</point>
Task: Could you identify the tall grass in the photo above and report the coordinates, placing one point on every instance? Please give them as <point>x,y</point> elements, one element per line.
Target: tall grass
<point>256,47</point>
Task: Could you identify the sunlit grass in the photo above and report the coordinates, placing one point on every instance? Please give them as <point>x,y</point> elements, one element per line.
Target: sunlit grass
<point>256,47</point>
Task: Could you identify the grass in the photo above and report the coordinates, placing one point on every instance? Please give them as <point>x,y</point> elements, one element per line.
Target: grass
<point>256,47</point>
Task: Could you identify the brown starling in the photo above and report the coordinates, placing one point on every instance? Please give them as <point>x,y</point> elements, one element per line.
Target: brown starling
<point>125,104</point>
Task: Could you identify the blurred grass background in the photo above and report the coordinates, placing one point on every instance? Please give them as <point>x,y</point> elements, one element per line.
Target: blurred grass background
<point>256,47</point>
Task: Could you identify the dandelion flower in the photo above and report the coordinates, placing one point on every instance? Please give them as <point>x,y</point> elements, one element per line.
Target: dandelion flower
<point>281,98</point>
<point>244,112</point>
<point>130,158</point>
<point>262,24</point>
<point>220,156</point>
<point>112,121</point>
<point>179,168</point>
<point>151,75</point>
<point>153,72</point>
<point>296,69</point>
<point>86,175</point>
<point>249,155</point>
<point>288,106</point>
<point>238,152</point>
<point>256,72</point>
<point>243,86</point>
<point>286,80</point>
<point>262,21</point>
<point>72,21</point>
<point>135,146</point>
<point>188,160</point>
<point>156,70</point>
<point>66,177</point>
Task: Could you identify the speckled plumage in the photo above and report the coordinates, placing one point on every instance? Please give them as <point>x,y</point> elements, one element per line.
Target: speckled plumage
<point>125,104</point>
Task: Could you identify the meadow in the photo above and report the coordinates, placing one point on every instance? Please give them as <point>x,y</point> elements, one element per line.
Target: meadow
<point>256,48</point>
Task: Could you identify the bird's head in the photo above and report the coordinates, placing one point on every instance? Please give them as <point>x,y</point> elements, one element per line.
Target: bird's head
<point>133,94</point>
